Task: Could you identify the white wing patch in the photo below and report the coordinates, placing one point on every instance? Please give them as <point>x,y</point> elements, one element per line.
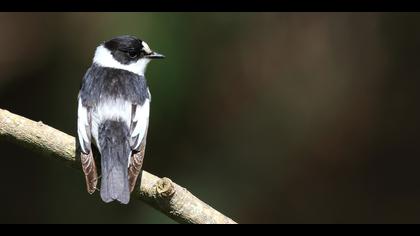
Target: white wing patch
<point>140,121</point>
<point>150,95</point>
<point>83,127</point>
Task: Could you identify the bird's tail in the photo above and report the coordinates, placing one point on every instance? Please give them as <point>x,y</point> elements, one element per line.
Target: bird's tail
<point>115,152</point>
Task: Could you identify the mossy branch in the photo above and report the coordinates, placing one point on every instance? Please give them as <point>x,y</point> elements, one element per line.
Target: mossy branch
<point>161,193</point>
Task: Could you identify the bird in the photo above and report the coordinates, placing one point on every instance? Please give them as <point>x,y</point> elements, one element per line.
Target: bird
<point>113,115</point>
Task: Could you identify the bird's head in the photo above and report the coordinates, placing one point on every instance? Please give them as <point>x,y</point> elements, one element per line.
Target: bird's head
<point>125,52</point>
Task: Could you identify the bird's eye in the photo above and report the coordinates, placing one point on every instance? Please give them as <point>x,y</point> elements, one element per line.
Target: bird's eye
<point>132,54</point>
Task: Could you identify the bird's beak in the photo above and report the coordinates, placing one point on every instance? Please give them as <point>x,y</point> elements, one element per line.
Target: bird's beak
<point>155,55</point>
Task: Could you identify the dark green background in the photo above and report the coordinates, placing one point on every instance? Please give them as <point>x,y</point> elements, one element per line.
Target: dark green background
<point>268,117</point>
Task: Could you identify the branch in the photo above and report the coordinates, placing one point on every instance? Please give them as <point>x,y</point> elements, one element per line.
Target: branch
<point>161,193</point>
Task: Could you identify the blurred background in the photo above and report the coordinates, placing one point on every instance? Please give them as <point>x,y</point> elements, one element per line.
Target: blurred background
<point>267,117</point>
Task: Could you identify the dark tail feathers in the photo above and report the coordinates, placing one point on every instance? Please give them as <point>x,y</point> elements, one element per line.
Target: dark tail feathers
<point>115,152</point>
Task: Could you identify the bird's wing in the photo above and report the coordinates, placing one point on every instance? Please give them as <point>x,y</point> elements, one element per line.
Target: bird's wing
<point>84,127</point>
<point>139,123</point>
<point>136,162</point>
<point>84,133</point>
<point>138,129</point>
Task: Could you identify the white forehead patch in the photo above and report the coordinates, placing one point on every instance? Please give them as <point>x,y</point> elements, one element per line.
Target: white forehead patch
<point>146,47</point>
<point>104,58</point>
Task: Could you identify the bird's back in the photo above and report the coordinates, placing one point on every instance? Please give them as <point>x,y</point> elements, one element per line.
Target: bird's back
<point>111,93</point>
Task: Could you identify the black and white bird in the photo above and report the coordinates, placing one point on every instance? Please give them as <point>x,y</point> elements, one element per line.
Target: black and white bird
<point>113,115</point>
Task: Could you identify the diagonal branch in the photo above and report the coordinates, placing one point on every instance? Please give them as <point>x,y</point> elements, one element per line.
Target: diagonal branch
<point>161,193</point>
